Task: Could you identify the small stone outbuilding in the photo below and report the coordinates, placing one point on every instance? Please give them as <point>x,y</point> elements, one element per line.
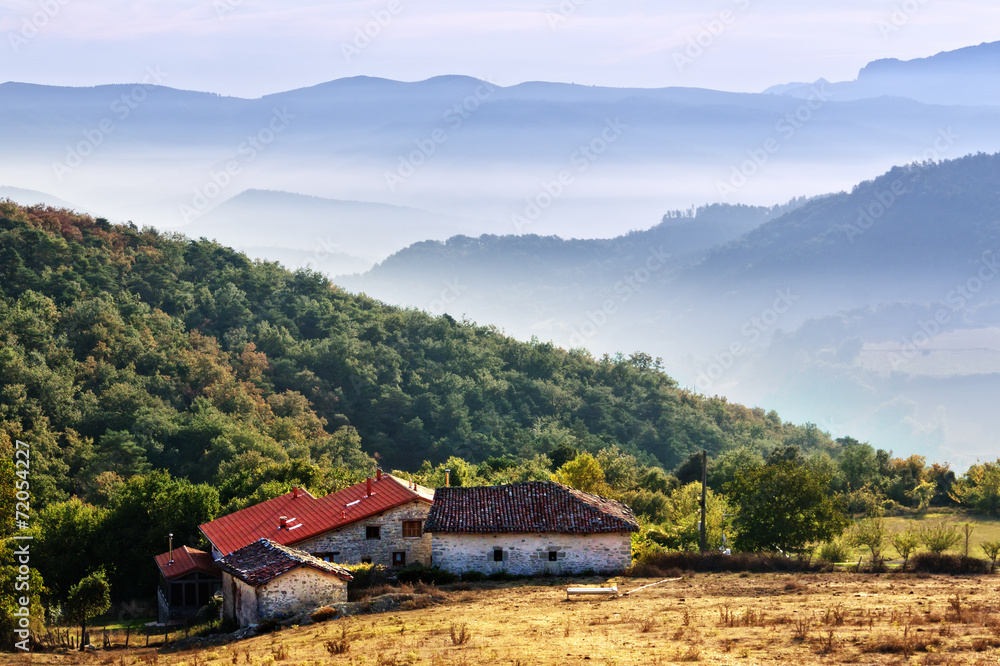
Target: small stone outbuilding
<point>529,528</point>
<point>268,581</point>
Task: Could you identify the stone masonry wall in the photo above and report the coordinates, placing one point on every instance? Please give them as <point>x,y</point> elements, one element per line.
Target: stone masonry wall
<point>239,601</point>
<point>528,554</point>
<point>300,589</point>
<point>353,546</point>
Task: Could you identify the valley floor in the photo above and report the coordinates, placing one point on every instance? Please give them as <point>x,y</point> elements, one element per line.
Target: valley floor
<point>709,618</point>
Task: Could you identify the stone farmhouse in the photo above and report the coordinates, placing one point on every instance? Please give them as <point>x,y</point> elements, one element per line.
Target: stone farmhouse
<point>268,581</point>
<point>380,521</point>
<point>529,528</point>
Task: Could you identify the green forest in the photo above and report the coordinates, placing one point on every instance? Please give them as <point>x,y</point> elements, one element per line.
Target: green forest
<point>161,381</point>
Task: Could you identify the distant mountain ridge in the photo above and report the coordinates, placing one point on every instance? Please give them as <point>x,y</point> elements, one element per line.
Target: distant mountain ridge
<point>968,76</point>
<point>469,149</point>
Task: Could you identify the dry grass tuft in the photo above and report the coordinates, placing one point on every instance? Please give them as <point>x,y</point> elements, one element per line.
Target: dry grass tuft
<point>460,634</point>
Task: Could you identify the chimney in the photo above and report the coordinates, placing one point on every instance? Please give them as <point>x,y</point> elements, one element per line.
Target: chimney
<point>369,486</point>
<point>295,492</point>
<point>447,478</point>
<point>283,522</point>
<point>378,474</point>
<point>171,542</point>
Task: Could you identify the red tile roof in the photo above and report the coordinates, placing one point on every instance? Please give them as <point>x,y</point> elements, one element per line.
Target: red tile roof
<point>310,516</point>
<point>262,561</point>
<point>532,507</point>
<point>186,560</point>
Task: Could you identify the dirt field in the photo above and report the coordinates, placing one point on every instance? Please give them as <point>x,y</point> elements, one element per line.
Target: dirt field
<point>708,618</point>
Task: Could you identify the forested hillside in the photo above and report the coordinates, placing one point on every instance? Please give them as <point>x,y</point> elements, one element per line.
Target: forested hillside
<point>126,350</point>
<point>161,381</point>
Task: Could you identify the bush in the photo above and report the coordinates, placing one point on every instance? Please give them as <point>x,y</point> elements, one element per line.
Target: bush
<point>940,563</point>
<point>418,573</point>
<point>670,564</point>
<point>834,551</point>
<point>473,576</point>
<point>367,576</point>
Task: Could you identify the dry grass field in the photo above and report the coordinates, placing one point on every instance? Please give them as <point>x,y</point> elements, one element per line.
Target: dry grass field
<point>705,618</point>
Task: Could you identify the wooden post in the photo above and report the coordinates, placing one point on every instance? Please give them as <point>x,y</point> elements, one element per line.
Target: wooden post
<point>128,630</point>
<point>703,532</point>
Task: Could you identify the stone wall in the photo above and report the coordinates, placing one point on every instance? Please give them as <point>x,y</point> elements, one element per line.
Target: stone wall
<point>353,546</point>
<point>300,589</point>
<point>528,554</point>
<point>239,601</point>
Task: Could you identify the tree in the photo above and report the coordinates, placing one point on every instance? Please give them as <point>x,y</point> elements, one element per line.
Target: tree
<point>992,550</point>
<point>870,533</point>
<point>583,473</point>
<point>783,506</point>
<point>939,537</point>
<point>979,488</point>
<point>88,598</point>
<point>905,542</point>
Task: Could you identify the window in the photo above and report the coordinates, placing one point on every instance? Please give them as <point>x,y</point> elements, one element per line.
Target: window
<point>412,529</point>
<point>553,555</point>
<point>328,557</point>
<point>366,560</point>
<point>373,532</point>
<point>399,559</point>
<point>498,554</point>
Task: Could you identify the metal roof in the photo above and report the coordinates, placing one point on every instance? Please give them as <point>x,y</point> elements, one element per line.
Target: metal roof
<point>309,516</point>
<point>186,560</point>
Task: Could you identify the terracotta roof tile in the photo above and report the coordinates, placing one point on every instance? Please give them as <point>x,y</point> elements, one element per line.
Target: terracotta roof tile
<point>264,560</point>
<point>532,507</point>
<point>186,560</point>
<point>310,516</point>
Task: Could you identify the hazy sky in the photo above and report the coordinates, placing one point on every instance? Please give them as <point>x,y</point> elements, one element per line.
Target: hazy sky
<point>252,47</point>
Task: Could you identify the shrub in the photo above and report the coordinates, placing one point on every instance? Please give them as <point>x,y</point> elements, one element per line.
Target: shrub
<point>670,564</point>
<point>834,551</point>
<point>939,537</point>
<point>949,564</point>
<point>473,576</point>
<point>418,573</point>
<point>460,634</point>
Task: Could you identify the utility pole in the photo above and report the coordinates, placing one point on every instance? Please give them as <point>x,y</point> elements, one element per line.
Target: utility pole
<point>703,529</point>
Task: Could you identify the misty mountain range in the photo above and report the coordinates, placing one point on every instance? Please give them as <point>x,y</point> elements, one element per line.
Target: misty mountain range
<point>534,207</point>
<point>543,158</point>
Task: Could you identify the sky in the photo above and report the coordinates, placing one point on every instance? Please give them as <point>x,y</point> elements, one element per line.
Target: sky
<point>250,48</point>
